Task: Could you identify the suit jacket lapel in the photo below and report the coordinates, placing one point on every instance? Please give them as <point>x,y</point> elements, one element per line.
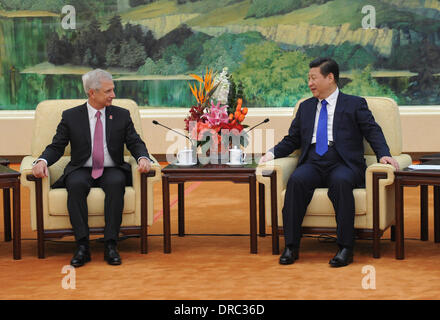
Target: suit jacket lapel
<point>86,123</point>
<point>310,125</point>
<point>108,123</point>
<point>339,110</point>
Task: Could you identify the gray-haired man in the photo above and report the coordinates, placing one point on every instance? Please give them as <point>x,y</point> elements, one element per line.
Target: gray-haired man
<point>97,132</point>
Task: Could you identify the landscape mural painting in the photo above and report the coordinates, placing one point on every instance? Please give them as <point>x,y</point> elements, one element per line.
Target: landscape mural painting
<point>384,48</point>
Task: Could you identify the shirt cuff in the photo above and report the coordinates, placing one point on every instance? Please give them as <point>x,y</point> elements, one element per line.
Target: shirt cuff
<point>143,157</point>
<point>270,151</point>
<point>39,159</point>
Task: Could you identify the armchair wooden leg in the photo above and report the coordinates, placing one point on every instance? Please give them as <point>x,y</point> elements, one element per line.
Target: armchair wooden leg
<point>166,215</point>
<point>144,214</point>
<point>181,208</point>
<point>376,222</point>
<point>7,214</point>
<point>39,209</point>
<point>393,233</point>
<point>261,209</point>
<point>424,212</point>
<point>274,213</point>
<point>436,214</point>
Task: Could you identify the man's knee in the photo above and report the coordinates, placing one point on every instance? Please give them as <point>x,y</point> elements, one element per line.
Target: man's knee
<point>296,179</point>
<point>115,181</point>
<point>77,185</point>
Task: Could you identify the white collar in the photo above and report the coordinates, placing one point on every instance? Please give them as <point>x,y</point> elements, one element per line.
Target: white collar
<point>332,99</point>
<point>92,111</point>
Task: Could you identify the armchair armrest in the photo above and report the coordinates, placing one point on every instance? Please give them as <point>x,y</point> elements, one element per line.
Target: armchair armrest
<point>27,178</point>
<point>283,166</point>
<point>153,175</point>
<point>379,183</point>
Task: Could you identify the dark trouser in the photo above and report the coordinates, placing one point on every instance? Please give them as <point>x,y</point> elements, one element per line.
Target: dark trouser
<point>78,184</point>
<point>327,171</point>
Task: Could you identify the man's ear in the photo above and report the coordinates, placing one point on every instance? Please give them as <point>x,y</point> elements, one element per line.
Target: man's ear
<point>331,76</point>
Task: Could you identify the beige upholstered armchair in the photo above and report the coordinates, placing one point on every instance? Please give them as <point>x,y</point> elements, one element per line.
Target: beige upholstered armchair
<point>48,207</point>
<point>320,215</point>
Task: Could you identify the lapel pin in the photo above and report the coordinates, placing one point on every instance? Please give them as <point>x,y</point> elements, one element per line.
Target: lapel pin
<point>110,117</point>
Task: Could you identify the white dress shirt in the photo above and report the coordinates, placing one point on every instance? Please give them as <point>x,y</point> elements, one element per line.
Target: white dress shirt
<point>108,162</point>
<point>331,106</point>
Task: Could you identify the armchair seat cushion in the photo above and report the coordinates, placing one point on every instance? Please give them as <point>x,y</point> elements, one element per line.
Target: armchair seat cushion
<point>95,202</point>
<point>321,204</point>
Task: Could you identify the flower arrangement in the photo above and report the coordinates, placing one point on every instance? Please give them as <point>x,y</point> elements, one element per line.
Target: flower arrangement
<point>216,122</point>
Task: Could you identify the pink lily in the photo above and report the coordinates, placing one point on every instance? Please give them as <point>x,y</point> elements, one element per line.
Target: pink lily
<point>217,115</point>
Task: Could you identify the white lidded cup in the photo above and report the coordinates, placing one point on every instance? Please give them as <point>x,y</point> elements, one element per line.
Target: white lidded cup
<point>185,156</point>
<point>236,155</point>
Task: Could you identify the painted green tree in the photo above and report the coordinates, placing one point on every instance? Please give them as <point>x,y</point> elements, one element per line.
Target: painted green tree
<point>271,76</point>
<point>363,84</point>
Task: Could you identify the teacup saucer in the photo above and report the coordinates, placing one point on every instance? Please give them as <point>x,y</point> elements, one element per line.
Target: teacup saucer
<point>185,164</point>
<point>235,164</point>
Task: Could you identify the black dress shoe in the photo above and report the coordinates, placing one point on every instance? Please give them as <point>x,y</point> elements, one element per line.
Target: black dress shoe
<point>111,254</point>
<point>289,256</point>
<point>81,256</point>
<point>343,258</point>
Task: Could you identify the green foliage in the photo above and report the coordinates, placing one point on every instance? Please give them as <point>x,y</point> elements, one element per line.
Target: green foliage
<point>177,65</point>
<point>48,5</point>
<point>272,77</point>
<point>363,84</point>
<point>112,57</point>
<point>84,8</point>
<point>59,51</point>
<point>132,54</point>
<point>191,49</point>
<point>135,3</point>
<point>348,56</point>
<point>148,68</point>
<point>267,8</point>
<point>117,46</point>
<point>185,1</point>
<point>226,50</point>
<point>199,51</point>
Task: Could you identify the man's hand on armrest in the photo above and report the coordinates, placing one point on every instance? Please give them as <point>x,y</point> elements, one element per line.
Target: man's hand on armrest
<point>267,157</point>
<point>144,165</point>
<point>39,170</point>
<point>391,161</point>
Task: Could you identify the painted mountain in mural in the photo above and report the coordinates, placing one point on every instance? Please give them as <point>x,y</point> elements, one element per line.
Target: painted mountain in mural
<point>151,45</point>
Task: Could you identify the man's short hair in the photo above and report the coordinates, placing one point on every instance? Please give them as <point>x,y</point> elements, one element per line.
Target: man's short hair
<point>326,66</point>
<point>92,79</point>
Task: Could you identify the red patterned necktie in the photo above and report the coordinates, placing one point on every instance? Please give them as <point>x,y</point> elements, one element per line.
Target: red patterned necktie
<point>98,149</point>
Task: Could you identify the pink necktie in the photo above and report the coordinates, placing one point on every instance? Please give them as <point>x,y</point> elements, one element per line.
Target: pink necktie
<point>98,149</point>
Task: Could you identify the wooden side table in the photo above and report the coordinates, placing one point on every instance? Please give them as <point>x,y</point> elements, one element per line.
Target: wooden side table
<point>209,172</point>
<point>408,177</point>
<point>6,206</point>
<point>428,159</point>
<point>10,179</point>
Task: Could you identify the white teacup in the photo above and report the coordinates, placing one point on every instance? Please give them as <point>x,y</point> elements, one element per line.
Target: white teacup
<point>236,156</point>
<point>185,156</point>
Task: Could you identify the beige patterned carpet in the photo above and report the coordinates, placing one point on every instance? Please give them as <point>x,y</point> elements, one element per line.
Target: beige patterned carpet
<point>206,266</point>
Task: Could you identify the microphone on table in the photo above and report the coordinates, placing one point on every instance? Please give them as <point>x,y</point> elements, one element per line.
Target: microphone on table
<point>175,131</point>
<point>264,121</point>
<point>159,124</point>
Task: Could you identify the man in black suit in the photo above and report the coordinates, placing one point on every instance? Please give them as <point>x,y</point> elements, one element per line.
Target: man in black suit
<point>97,132</point>
<point>329,129</point>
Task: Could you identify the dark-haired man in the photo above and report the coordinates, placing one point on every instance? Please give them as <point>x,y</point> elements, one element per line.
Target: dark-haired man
<point>329,129</point>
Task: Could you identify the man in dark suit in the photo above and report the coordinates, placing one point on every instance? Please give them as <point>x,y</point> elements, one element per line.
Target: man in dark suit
<point>329,129</point>
<point>97,132</point>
